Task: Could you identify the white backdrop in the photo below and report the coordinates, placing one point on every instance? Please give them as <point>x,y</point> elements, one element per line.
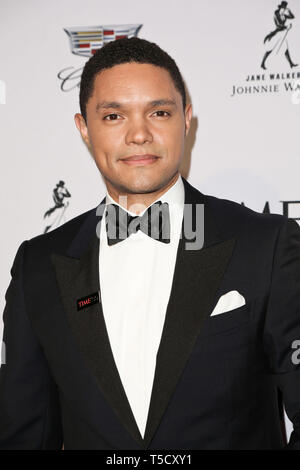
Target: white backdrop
<point>244,142</point>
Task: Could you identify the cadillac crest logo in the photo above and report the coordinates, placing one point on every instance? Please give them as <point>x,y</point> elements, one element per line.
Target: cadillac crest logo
<point>85,41</point>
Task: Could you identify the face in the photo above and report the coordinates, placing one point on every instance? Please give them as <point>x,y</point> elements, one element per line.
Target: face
<point>135,111</point>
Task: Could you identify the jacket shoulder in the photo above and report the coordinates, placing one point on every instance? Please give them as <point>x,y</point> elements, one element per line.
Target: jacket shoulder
<point>237,217</point>
<point>60,237</point>
<point>231,213</point>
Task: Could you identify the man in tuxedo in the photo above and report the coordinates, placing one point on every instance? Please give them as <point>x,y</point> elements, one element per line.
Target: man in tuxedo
<point>163,318</point>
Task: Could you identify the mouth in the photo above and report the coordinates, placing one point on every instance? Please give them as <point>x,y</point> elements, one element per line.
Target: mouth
<point>145,159</point>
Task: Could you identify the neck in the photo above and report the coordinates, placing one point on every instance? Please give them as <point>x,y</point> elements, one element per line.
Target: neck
<point>143,199</point>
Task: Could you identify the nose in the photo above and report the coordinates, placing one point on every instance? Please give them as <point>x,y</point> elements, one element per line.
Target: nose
<point>138,132</point>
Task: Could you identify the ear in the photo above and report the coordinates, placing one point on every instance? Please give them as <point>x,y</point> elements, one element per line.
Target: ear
<point>82,127</point>
<point>188,117</point>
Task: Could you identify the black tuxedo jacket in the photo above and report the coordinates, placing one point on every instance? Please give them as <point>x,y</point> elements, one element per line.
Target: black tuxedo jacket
<point>217,377</point>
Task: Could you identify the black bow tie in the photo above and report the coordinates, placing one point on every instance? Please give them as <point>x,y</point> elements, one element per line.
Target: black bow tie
<point>155,222</point>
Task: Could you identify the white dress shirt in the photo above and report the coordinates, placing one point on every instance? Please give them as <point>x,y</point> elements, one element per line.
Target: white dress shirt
<point>136,276</point>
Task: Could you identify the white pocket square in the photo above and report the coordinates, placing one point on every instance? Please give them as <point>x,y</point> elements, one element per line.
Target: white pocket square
<point>228,301</point>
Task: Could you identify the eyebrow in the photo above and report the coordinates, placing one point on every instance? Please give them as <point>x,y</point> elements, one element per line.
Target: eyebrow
<point>117,105</point>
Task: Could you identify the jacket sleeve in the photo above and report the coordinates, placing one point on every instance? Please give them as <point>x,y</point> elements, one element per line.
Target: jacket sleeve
<point>282,324</point>
<point>29,403</point>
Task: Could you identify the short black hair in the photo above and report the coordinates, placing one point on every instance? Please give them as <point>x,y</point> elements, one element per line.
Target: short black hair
<point>122,51</point>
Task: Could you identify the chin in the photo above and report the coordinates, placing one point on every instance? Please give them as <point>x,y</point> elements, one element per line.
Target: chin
<point>136,187</point>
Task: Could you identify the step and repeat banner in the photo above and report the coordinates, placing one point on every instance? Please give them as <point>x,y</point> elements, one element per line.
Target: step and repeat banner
<point>240,60</point>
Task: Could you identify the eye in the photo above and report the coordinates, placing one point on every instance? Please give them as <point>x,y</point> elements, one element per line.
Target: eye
<point>112,116</point>
<point>162,113</point>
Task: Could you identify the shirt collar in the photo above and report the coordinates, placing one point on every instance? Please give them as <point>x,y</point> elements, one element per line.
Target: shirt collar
<point>174,196</point>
